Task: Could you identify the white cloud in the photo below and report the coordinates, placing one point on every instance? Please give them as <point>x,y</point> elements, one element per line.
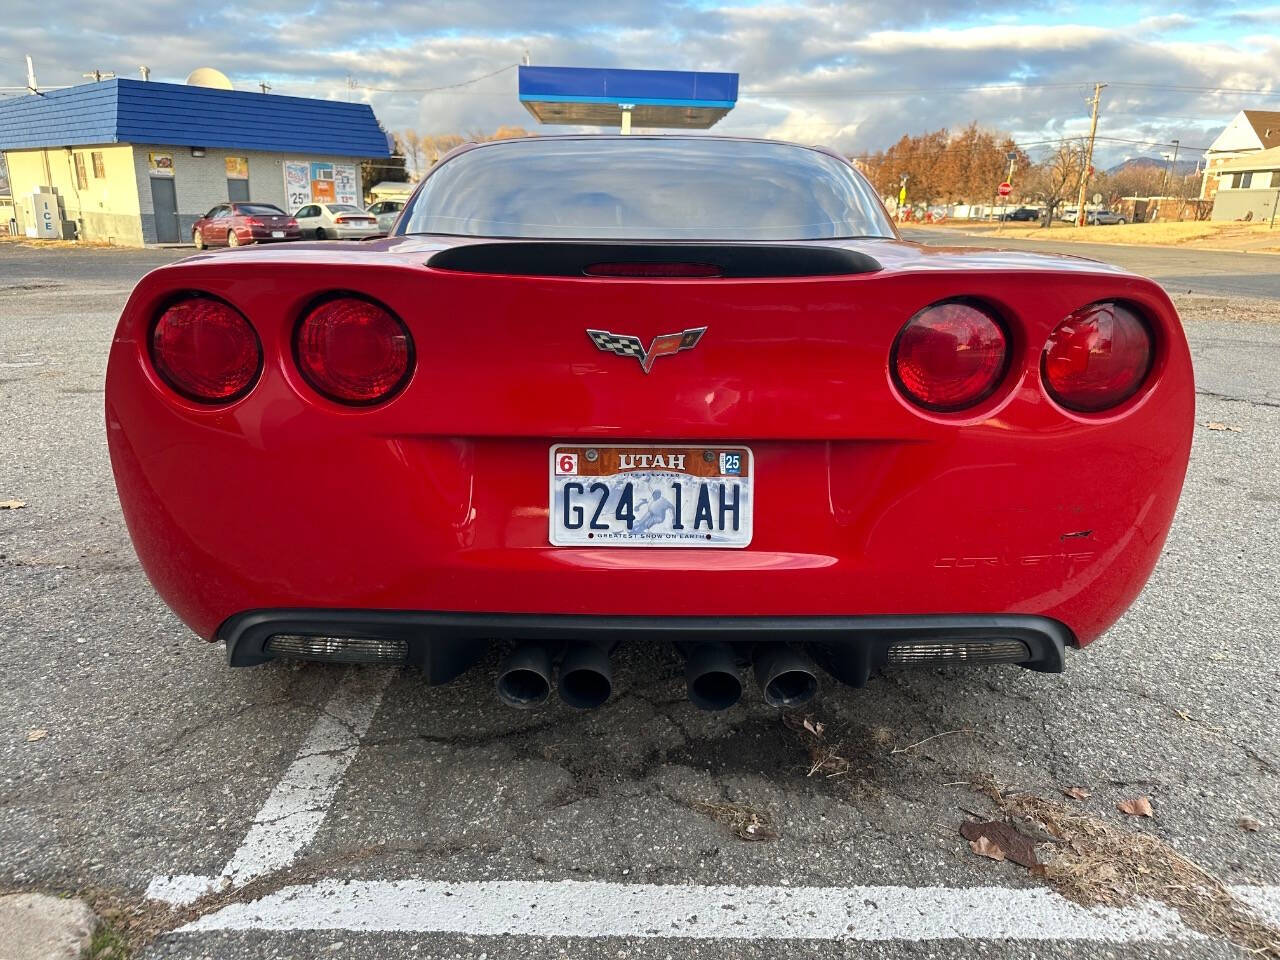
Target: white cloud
<point>1165,23</point>
<point>856,76</point>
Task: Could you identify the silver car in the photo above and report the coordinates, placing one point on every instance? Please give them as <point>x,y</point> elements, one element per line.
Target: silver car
<point>336,221</point>
<point>386,211</point>
<point>1106,218</point>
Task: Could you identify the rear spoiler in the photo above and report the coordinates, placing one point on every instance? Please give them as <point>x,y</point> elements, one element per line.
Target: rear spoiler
<point>559,258</point>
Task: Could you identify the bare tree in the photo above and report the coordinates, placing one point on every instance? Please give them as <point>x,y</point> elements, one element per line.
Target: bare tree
<point>962,168</point>
<point>1057,178</point>
<point>423,151</point>
<point>411,148</point>
<point>437,145</point>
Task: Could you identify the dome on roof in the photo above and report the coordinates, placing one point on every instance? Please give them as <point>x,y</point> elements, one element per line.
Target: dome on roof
<point>208,77</point>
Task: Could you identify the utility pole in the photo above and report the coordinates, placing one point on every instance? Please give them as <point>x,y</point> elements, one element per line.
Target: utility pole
<point>1172,163</point>
<point>351,85</point>
<point>1081,216</point>
<point>264,86</point>
<point>97,76</point>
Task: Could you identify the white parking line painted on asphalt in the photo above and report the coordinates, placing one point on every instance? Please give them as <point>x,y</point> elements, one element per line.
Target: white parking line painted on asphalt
<point>587,909</point>
<point>299,803</point>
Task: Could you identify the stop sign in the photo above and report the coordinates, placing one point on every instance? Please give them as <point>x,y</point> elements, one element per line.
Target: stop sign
<point>1006,188</point>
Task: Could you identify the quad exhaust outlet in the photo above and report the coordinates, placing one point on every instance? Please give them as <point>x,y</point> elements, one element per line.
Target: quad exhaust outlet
<point>586,678</point>
<point>787,677</point>
<point>712,676</point>
<point>524,676</point>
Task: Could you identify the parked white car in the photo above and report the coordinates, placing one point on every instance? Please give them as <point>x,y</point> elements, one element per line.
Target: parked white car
<point>386,211</point>
<point>336,221</point>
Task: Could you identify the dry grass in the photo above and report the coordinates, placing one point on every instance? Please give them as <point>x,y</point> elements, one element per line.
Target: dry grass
<point>1203,235</point>
<point>39,243</point>
<point>833,752</point>
<point>746,822</point>
<point>1097,863</point>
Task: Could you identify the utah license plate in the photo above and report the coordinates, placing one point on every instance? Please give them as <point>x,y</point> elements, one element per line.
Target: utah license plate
<point>651,496</point>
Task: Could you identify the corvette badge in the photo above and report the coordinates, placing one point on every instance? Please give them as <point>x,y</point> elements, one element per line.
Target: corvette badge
<point>662,346</point>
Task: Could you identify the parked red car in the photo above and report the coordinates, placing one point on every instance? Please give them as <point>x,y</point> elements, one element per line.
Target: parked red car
<point>687,389</point>
<point>235,224</point>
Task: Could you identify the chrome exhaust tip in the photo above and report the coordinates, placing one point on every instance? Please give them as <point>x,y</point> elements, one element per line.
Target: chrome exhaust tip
<point>787,677</point>
<point>524,676</point>
<point>586,678</point>
<point>712,676</point>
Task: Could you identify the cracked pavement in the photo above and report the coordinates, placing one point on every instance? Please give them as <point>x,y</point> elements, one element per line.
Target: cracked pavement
<point>158,757</point>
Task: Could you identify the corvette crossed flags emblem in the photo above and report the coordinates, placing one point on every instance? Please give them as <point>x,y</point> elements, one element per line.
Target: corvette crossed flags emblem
<point>662,346</point>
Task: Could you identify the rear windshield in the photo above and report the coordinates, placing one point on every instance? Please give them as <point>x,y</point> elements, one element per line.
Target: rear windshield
<point>344,208</point>
<point>259,210</point>
<point>647,188</point>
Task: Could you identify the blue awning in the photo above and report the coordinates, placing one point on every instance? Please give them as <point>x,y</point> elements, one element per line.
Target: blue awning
<point>592,96</point>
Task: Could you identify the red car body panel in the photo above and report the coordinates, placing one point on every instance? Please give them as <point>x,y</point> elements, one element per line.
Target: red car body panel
<point>438,498</point>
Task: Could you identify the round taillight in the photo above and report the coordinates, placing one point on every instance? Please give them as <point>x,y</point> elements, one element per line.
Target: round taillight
<point>354,350</point>
<point>949,356</point>
<point>206,350</point>
<point>1097,358</point>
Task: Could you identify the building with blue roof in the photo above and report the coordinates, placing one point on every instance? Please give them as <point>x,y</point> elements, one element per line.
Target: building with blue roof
<point>134,162</point>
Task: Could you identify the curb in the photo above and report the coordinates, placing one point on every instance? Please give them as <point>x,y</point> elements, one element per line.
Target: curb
<point>34,926</point>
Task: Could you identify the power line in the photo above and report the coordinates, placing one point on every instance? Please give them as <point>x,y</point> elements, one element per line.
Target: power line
<point>1198,89</point>
<point>447,86</point>
<point>766,94</point>
<point>1022,145</point>
<point>893,91</point>
<point>986,87</point>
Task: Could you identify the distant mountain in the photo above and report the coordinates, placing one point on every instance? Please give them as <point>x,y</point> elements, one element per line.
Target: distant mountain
<point>1181,168</point>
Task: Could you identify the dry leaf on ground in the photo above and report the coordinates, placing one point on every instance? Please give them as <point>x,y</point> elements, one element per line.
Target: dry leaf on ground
<point>12,504</point>
<point>1250,824</point>
<point>36,735</point>
<point>1136,807</point>
<point>984,847</point>
<point>757,831</point>
<point>1077,793</point>
<point>1099,863</point>
<point>1012,843</point>
<point>1215,425</point>
<point>806,722</point>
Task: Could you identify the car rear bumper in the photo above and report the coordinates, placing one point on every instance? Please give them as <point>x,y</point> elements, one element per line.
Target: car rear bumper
<point>356,233</point>
<point>439,499</point>
<point>445,644</point>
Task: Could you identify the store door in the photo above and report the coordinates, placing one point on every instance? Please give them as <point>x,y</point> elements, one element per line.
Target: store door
<point>164,201</point>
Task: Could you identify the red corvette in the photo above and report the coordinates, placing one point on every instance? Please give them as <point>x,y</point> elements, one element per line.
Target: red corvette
<point>684,389</point>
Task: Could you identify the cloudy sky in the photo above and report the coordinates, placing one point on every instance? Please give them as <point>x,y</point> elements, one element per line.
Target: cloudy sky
<point>855,76</point>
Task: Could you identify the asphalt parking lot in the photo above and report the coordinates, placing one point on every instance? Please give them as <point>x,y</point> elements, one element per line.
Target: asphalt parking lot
<point>287,811</point>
